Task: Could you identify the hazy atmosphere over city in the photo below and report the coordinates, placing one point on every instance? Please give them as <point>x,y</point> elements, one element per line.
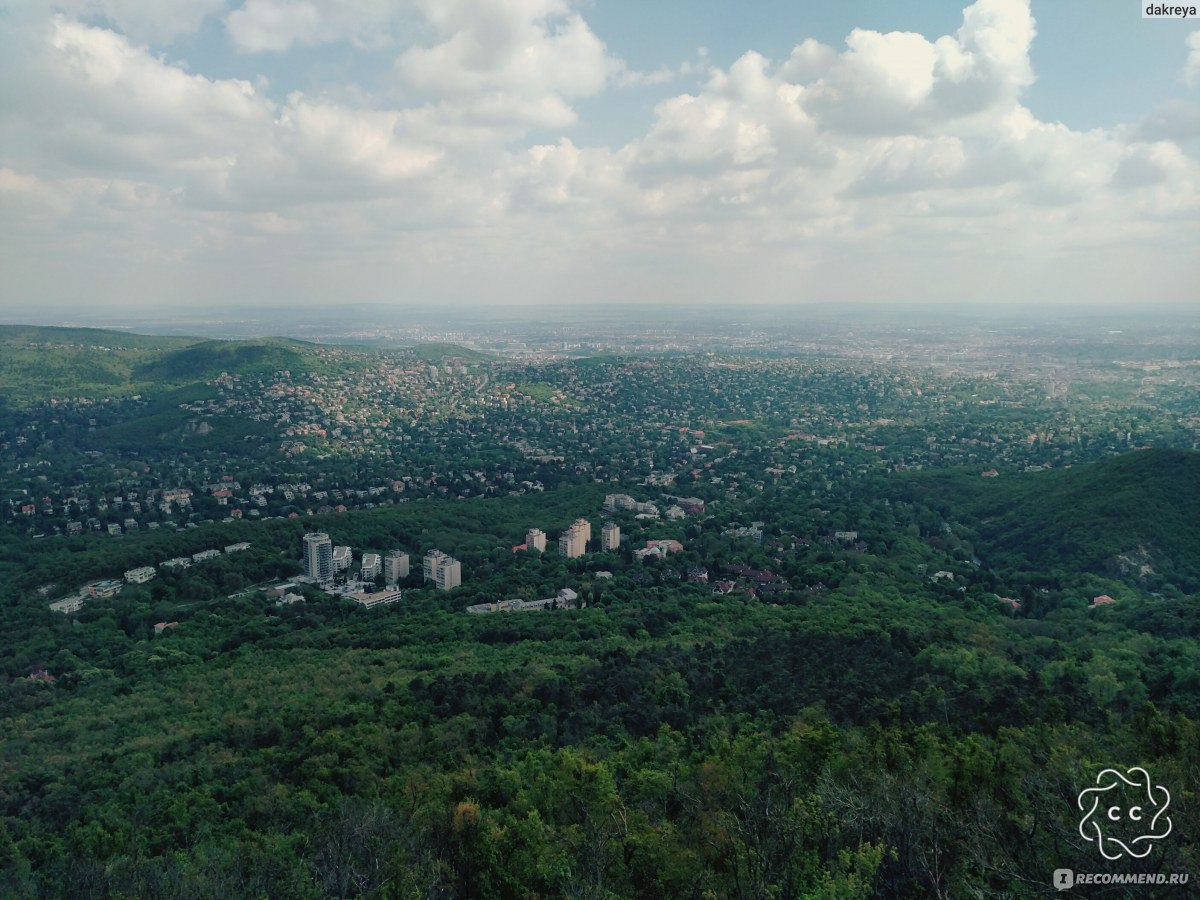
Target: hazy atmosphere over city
<point>307,153</point>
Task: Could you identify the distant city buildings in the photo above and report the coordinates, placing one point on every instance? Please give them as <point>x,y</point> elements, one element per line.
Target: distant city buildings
<point>343,559</point>
<point>535,539</point>
<point>318,556</point>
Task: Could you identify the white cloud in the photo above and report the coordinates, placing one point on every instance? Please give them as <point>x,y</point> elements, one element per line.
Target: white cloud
<point>897,82</point>
<point>277,25</point>
<point>157,21</point>
<point>1191,69</point>
<point>915,154</point>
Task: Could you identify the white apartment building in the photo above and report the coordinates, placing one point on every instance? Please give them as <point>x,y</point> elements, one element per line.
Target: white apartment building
<point>372,565</point>
<point>443,570</point>
<point>395,567</point>
<point>448,574</point>
<point>535,539</point>
<point>573,541</point>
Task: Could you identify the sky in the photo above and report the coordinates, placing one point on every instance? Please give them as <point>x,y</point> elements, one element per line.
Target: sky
<point>306,154</point>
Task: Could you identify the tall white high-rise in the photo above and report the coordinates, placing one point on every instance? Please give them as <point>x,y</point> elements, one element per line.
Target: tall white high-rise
<point>535,539</point>
<point>318,556</point>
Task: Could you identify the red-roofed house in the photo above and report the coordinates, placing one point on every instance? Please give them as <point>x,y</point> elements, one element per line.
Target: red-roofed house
<point>1102,600</point>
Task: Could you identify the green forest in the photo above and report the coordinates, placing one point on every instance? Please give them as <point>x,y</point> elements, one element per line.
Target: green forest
<point>864,671</point>
<point>874,738</point>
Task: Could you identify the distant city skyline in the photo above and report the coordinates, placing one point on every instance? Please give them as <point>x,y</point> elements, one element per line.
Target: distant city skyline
<point>171,159</point>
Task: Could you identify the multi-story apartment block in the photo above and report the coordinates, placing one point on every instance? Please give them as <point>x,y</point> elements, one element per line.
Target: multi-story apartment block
<point>448,574</point>
<point>395,567</point>
<point>573,542</point>
<point>610,536</point>
<point>318,556</point>
<point>444,571</point>
<point>372,565</point>
<point>535,539</point>
<point>343,559</point>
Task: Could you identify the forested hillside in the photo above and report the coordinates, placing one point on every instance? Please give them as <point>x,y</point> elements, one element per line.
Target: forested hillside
<point>869,739</point>
<point>1132,516</point>
<point>846,645</point>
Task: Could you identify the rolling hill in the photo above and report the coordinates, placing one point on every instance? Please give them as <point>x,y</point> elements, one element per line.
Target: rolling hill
<point>211,358</point>
<point>37,363</point>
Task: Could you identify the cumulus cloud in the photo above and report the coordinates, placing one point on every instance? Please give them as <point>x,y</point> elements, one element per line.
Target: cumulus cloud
<point>464,167</point>
<point>277,25</point>
<point>1174,120</point>
<point>1191,69</point>
<point>515,61</point>
<point>157,21</point>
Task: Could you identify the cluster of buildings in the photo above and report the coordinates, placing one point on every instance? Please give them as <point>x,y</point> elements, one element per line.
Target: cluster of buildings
<point>331,567</point>
<point>616,502</point>
<point>659,548</point>
<point>110,587</point>
<point>574,541</point>
<point>326,563</point>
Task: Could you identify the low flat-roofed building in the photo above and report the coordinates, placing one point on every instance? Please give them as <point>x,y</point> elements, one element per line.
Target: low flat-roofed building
<point>68,605</point>
<point>375,598</point>
<point>140,575</point>
<point>108,587</point>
